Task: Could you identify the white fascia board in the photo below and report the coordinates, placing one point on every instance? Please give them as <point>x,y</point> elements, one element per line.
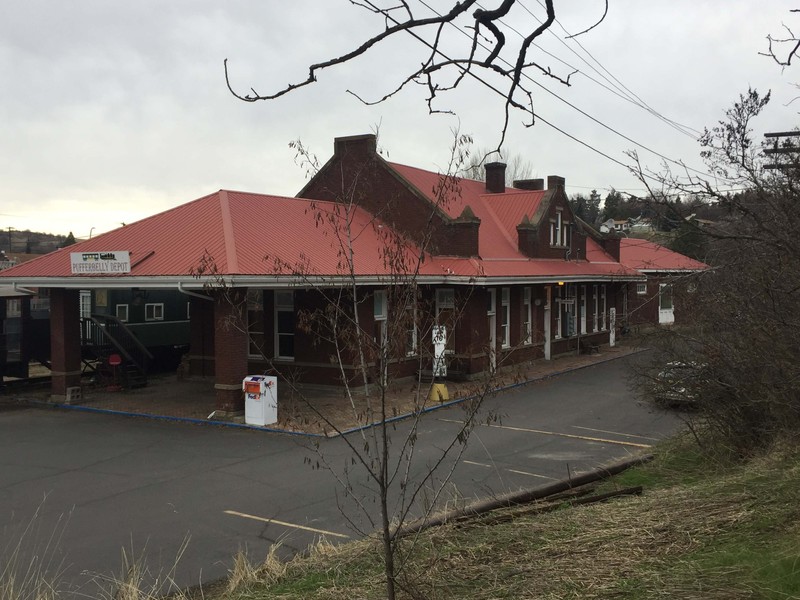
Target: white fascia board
<point>284,281</point>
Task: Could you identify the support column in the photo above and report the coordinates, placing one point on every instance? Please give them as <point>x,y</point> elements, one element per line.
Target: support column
<point>230,350</point>
<point>65,342</point>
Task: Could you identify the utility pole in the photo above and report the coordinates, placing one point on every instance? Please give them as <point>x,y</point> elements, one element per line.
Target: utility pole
<point>787,146</point>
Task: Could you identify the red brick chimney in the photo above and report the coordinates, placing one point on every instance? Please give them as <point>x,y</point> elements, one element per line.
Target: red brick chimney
<point>554,181</point>
<point>495,177</point>
<point>532,185</point>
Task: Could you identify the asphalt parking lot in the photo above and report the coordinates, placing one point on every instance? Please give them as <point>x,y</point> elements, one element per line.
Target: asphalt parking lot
<point>105,483</point>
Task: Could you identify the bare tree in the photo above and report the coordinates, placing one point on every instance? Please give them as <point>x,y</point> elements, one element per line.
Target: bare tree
<point>517,166</point>
<point>485,35</point>
<point>783,49</point>
<point>741,336</point>
<point>385,468</point>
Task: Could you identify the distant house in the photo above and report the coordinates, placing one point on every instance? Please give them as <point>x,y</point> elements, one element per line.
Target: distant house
<point>622,225</point>
<point>653,301</point>
<point>641,225</point>
<point>528,279</point>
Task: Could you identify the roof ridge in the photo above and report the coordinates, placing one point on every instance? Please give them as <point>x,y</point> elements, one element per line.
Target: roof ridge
<point>227,232</point>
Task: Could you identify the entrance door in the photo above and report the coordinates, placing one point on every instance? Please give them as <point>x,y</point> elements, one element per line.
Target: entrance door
<point>547,302</point>
<point>491,315</point>
<point>86,312</point>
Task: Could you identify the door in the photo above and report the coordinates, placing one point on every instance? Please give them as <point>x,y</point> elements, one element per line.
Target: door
<point>491,315</point>
<point>547,303</point>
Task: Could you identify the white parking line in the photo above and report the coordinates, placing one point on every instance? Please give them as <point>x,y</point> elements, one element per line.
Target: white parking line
<point>477,464</point>
<point>629,435</point>
<point>284,523</point>
<point>557,434</point>
<point>530,474</point>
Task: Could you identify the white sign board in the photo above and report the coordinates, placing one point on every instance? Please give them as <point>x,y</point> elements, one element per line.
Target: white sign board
<point>99,262</point>
<point>439,343</point>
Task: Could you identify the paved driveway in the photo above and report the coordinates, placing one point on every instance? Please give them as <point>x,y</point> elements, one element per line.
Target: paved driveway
<point>106,483</point>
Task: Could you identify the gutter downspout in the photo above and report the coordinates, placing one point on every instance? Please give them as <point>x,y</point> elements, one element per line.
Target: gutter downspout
<point>17,288</point>
<point>194,294</point>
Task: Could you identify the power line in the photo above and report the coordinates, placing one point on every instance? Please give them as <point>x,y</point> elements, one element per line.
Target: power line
<point>568,103</point>
<point>633,97</point>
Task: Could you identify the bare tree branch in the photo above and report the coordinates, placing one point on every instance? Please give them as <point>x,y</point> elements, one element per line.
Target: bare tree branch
<point>482,54</point>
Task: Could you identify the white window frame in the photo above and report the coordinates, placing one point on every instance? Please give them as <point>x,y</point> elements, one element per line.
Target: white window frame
<point>85,303</point>
<point>379,305</point>
<point>120,308</point>
<point>154,311</point>
<point>559,222</point>
<point>583,310</point>
<point>13,307</point>
<point>527,317</point>
<point>641,289</point>
<point>595,320</point>
<point>505,317</point>
<point>559,310</point>
<point>282,306</point>
<point>380,313</point>
<point>572,308</point>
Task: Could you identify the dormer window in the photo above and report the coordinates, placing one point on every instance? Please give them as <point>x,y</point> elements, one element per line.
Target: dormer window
<point>559,229</point>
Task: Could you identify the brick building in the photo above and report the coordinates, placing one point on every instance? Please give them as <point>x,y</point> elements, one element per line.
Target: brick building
<point>508,270</point>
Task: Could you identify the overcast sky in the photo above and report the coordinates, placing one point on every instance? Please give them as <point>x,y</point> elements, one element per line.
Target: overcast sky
<point>113,111</point>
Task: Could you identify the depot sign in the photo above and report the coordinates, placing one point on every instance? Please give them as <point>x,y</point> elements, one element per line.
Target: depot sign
<point>100,262</point>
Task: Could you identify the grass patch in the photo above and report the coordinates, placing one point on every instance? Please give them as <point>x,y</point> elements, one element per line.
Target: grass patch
<point>706,527</point>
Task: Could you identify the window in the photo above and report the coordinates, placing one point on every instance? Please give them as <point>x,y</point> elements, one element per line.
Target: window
<point>665,297</point>
<point>559,226</point>
<point>559,308</point>
<point>379,305</point>
<point>154,311</point>
<point>603,324</point>
<point>122,312</point>
<point>379,313</point>
<point>666,314</point>
<point>641,288</point>
<point>570,306</point>
<point>284,324</point>
<point>565,234</point>
<point>85,304</point>
<point>595,321</point>
<point>552,233</point>
<point>188,310</point>
<point>13,307</point>
<point>446,315</point>
<point>505,317</point>
<point>255,323</point>
<point>583,310</point>
<point>527,317</point>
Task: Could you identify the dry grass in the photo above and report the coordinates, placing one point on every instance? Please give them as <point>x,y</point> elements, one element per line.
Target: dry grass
<point>727,536</point>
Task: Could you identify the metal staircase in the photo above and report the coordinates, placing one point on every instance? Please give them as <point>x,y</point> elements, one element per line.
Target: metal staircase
<point>105,335</point>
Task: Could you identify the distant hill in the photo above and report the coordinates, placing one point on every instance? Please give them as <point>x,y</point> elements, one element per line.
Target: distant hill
<point>29,242</point>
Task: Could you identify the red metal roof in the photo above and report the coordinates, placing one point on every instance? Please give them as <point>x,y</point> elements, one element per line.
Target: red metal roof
<point>243,233</point>
<point>645,255</point>
<point>257,237</point>
<point>499,213</point>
